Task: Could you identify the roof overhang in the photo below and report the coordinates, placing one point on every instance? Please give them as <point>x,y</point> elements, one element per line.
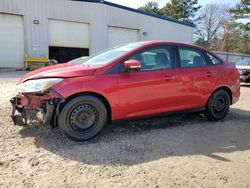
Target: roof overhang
<point>138,11</point>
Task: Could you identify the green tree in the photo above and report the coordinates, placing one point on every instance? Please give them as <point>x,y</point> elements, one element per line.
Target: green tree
<point>242,11</point>
<point>151,7</point>
<point>184,10</point>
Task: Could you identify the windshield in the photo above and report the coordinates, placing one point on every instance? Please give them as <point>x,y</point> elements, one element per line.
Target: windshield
<point>244,62</point>
<point>107,56</point>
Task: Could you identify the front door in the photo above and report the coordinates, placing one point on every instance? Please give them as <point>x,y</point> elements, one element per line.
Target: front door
<point>151,90</point>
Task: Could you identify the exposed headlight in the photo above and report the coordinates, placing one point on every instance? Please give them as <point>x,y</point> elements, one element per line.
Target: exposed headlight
<point>38,85</point>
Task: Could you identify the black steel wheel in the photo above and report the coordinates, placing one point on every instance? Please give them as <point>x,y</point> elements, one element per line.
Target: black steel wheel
<point>82,118</point>
<point>218,105</point>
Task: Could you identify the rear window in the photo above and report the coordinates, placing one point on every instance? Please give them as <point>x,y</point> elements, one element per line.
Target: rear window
<point>191,57</point>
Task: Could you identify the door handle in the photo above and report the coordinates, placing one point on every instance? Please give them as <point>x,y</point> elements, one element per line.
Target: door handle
<point>209,74</point>
<point>168,77</point>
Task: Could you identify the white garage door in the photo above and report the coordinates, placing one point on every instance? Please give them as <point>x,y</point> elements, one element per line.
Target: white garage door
<point>118,35</point>
<point>11,41</point>
<point>68,34</point>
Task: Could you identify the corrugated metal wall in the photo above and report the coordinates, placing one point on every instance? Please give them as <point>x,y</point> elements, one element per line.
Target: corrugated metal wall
<point>99,16</point>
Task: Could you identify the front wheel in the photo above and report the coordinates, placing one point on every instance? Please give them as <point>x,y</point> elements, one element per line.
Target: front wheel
<point>218,105</point>
<point>82,118</point>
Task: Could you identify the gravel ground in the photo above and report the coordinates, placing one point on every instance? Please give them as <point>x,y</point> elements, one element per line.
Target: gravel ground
<point>174,151</point>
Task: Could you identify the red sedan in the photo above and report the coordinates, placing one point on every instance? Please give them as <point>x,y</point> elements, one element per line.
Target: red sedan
<point>129,81</point>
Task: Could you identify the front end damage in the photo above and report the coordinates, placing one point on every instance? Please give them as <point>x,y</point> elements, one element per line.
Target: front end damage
<point>26,107</point>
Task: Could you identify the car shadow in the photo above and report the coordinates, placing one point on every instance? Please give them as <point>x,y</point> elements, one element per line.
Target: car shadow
<point>131,143</point>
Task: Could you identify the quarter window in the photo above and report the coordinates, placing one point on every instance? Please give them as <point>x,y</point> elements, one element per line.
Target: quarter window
<point>213,59</point>
<point>155,58</point>
<point>191,57</point>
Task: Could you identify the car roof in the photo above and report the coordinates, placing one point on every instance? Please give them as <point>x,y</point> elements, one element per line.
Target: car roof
<point>158,42</point>
<point>152,43</point>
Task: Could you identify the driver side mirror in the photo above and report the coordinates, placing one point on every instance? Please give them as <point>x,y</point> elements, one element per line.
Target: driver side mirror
<point>132,65</point>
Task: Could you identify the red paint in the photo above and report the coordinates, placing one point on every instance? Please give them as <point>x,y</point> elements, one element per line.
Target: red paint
<point>132,64</point>
<point>59,71</point>
<point>34,101</point>
<point>133,94</point>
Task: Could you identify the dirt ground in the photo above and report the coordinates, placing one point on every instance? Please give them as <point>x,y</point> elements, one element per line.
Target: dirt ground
<point>174,151</point>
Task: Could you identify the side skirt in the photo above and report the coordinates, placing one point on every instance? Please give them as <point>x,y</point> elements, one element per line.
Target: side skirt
<point>155,116</point>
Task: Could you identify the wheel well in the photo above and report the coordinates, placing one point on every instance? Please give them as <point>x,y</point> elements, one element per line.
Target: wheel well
<point>228,90</point>
<point>97,95</point>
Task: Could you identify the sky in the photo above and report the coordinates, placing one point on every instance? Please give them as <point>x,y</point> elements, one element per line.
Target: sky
<point>139,3</point>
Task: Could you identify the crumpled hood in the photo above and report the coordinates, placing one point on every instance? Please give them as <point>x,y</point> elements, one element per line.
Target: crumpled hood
<point>65,70</point>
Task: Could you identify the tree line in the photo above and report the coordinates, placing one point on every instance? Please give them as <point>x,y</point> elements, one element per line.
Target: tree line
<point>217,26</point>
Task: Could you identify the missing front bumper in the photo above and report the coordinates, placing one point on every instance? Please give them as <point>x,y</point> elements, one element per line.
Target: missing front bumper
<point>36,108</point>
<point>25,116</point>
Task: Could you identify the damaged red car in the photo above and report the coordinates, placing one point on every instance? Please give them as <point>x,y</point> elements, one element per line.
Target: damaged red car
<point>130,81</point>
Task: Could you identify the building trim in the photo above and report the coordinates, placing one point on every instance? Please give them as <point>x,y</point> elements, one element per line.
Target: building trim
<point>138,11</point>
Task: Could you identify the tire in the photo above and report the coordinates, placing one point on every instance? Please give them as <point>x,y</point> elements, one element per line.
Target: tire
<point>82,118</point>
<point>218,105</point>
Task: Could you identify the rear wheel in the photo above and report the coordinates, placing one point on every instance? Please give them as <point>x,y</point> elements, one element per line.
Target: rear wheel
<point>218,105</point>
<point>82,118</point>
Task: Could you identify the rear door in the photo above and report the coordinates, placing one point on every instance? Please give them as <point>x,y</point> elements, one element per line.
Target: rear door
<point>197,77</point>
<point>151,90</point>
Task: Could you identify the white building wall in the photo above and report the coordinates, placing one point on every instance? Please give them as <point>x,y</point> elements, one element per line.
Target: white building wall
<point>98,16</point>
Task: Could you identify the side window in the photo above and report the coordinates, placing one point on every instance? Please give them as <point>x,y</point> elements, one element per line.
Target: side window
<point>154,58</point>
<point>191,57</point>
<point>213,59</point>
